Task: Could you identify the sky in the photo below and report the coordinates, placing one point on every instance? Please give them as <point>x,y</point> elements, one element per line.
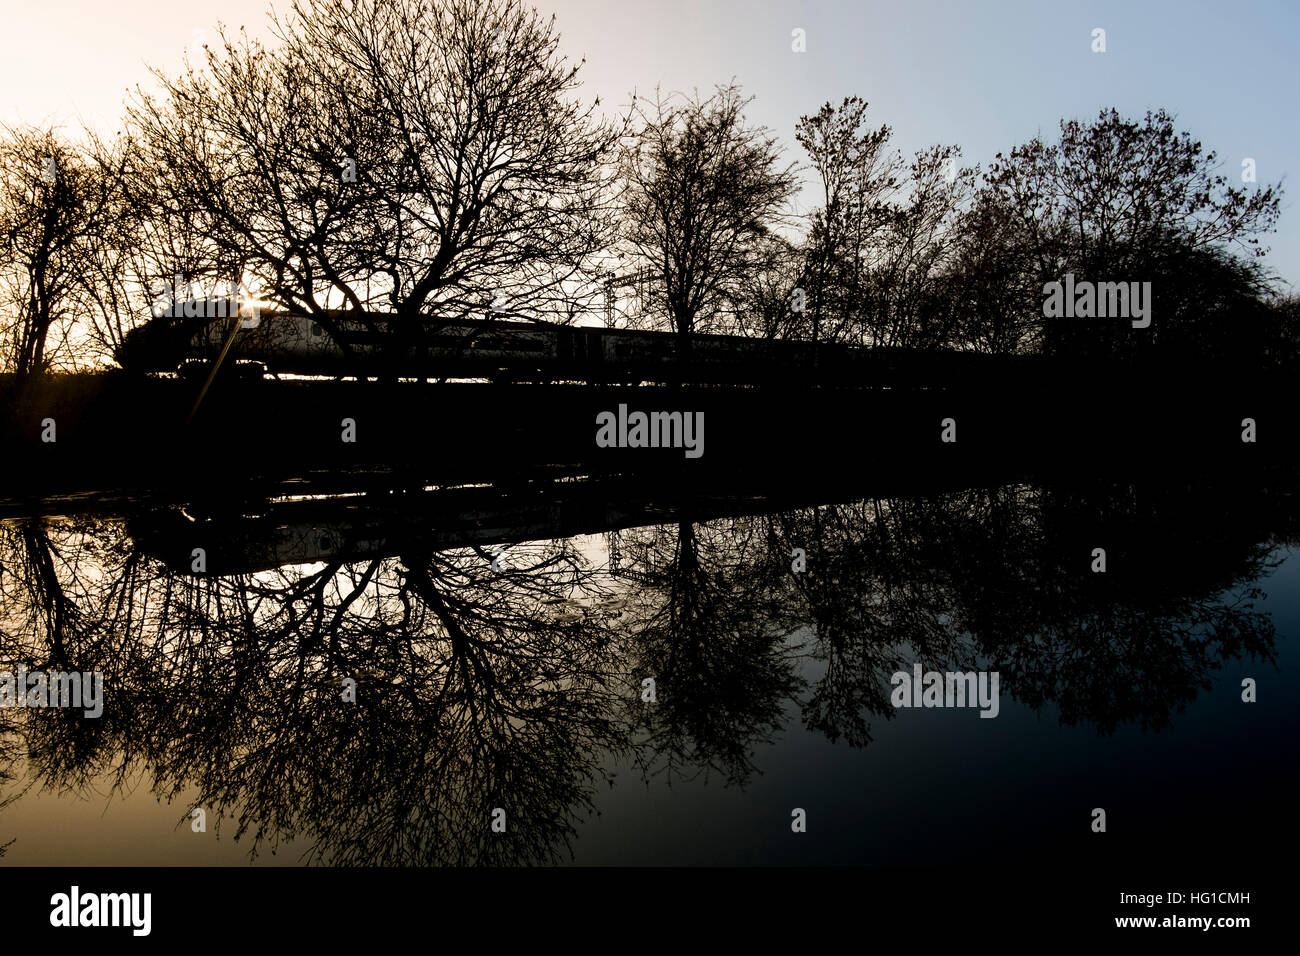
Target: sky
<point>984,76</point>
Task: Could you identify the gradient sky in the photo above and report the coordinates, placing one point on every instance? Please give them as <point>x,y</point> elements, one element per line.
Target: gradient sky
<point>984,76</point>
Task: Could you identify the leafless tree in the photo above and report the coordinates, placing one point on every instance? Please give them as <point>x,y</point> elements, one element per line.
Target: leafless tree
<point>418,157</point>
<point>858,175</point>
<point>56,205</point>
<point>1120,199</point>
<point>701,190</point>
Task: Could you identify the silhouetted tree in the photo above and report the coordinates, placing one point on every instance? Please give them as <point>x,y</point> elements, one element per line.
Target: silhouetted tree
<point>1114,200</point>
<point>882,242</point>
<point>432,147</point>
<point>57,206</point>
<point>990,280</point>
<point>700,191</point>
<point>858,175</point>
<point>766,300</point>
<point>906,303</point>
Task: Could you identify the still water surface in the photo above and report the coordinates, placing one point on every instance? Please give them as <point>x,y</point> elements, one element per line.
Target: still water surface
<point>516,681</point>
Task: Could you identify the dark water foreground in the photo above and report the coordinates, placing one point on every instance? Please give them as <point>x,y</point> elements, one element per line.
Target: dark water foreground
<point>511,684</point>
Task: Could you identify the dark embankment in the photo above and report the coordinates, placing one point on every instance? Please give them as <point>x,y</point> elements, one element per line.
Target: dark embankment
<point>94,433</point>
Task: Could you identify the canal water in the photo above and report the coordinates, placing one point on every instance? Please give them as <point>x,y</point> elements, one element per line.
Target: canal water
<point>706,685</point>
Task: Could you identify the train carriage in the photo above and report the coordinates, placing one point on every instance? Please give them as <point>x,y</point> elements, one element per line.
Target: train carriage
<point>343,343</point>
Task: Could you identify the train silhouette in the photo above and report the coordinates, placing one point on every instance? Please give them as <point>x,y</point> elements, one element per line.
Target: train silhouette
<point>369,344</point>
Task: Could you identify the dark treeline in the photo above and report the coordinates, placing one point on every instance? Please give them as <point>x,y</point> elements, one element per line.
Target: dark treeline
<point>521,686</point>
<point>433,158</point>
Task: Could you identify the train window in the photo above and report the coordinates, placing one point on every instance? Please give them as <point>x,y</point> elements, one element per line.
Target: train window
<point>316,330</point>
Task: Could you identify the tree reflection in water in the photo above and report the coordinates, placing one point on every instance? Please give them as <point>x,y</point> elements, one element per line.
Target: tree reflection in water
<point>519,689</point>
